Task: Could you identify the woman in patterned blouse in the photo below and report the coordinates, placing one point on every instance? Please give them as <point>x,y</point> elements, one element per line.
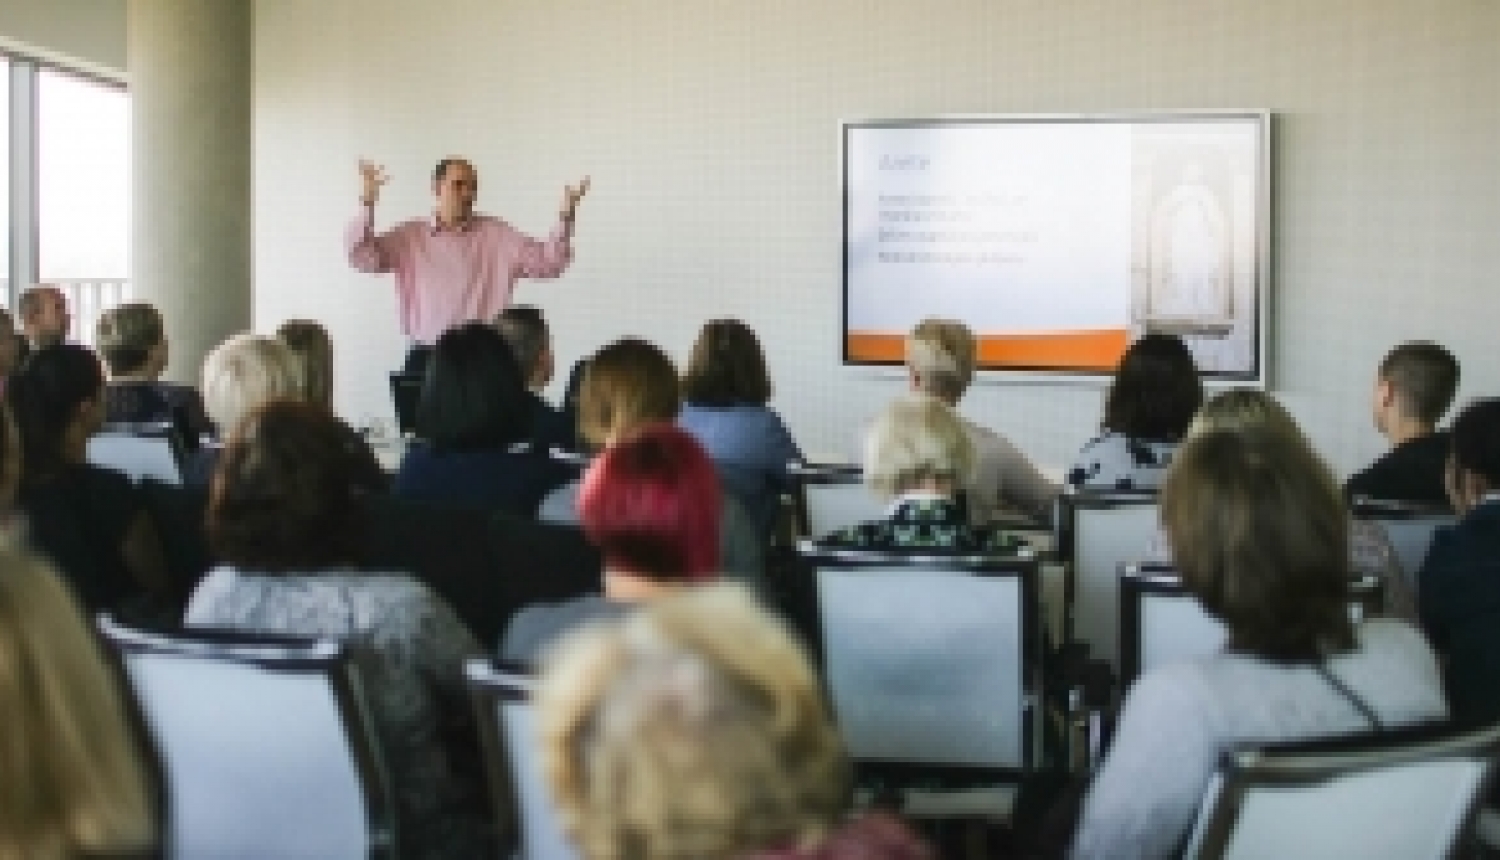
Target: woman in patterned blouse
<point>1154,396</point>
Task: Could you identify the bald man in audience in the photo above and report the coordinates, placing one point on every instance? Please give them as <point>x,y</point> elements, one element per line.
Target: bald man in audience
<point>44,316</point>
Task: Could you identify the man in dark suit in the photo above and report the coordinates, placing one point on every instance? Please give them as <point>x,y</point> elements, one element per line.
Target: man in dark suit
<point>524,328</point>
<point>1414,388</point>
<point>1459,584</point>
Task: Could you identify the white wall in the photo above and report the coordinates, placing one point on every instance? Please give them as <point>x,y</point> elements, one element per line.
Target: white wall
<point>88,34</point>
<point>709,127</point>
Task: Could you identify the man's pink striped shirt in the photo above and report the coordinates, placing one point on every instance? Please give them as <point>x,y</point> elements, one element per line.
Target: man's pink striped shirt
<point>451,276</point>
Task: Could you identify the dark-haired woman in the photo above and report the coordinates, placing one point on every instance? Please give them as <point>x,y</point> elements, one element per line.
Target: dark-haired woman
<point>1460,579</point>
<point>473,422</point>
<point>1259,532</point>
<point>1153,398</point>
<point>725,392</point>
<point>88,519</point>
<point>283,518</point>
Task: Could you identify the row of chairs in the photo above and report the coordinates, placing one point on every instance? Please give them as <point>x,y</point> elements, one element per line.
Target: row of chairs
<point>304,775</point>
<point>912,699</point>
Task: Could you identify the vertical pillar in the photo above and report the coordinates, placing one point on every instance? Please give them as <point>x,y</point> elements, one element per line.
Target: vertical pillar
<point>189,63</point>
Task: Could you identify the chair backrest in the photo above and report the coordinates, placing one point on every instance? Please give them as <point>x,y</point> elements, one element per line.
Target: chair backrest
<point>930,662</point>
<point>1162,622</point>
<point>406,393</point>
<point>179,515</point>
<point>512,755</point>
<point>542,563</point>
<point>1098,533</point>
<point>447,547</point>
<point>1407,793</point>
<point>830,497</point>
<point>1409,527</point>
<point>266,742</point>
<point>140,451</point>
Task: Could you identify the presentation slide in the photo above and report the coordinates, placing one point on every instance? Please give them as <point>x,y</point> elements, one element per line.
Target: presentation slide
<point>1059,240</point>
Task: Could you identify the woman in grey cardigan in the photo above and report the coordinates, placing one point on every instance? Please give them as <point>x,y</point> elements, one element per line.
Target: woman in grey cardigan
<point>283,519</point>
<point>1259,533</point>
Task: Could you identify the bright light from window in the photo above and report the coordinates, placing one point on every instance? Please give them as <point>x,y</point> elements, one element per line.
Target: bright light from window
<point>83,178</point>
<point>4,180</point>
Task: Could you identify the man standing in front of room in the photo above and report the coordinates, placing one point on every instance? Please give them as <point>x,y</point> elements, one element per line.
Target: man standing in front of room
<point>457,265</point>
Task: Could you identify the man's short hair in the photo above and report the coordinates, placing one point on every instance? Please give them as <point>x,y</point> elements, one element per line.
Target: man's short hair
<point>441,169</point>
<point>30,302</point>
<point>126,334</point>
<point>525,330</point>
<point>1424,376</point>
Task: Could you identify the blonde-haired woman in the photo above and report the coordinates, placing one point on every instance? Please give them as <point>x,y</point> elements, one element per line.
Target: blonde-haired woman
<point>132,340</point>
<point>696,728</point>
<point>73,777</point>
<point>240,375</point>
<point>940,360</point>
<point>1370,549</point>
<point>917,455</point>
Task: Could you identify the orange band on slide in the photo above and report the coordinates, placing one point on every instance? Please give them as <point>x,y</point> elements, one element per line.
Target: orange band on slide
<point>1099,350</point>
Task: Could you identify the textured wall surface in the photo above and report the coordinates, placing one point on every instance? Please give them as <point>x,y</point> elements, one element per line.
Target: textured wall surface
<point>710,130</point>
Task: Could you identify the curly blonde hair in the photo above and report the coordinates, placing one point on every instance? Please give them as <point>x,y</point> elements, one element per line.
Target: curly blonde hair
<point>917,437</point>
<point>72,775</point>
<point>694,728</point>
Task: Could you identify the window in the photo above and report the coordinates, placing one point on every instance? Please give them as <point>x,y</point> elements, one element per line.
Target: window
<point>83,179</point>
<point>4,181</point>
<point>64,187</point>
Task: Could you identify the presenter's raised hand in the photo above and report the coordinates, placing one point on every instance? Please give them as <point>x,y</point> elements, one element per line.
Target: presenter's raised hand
<point>372,177</point>
<point>571,195</point>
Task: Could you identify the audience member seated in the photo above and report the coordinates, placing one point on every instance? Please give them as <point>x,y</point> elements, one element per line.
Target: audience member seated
<point>725,391</point>
<point>239,375</point>
<point>10,347</point>
<point>1370,549</point>
<point>1260,535</point>
<point>918,455</point>
<point>650,504</point>
<point>44,317</point>
<point>696,728</point>
<point>1460,580</point>
<point>247,371</point>
<point>132,340</point>
<point>1154,395</point>
<point>312,350</point>
<point>74,780</point>
<point>88,519</point>
<point>473,429</point>
<point>1414,388</point>
<point>312,353</point>
<point>283,519</point>
<point>524,328</point>
<point>629,384</point>
<point>940,361</point>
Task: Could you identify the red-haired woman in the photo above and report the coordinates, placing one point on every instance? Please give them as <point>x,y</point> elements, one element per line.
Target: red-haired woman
<point>650,503</point>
